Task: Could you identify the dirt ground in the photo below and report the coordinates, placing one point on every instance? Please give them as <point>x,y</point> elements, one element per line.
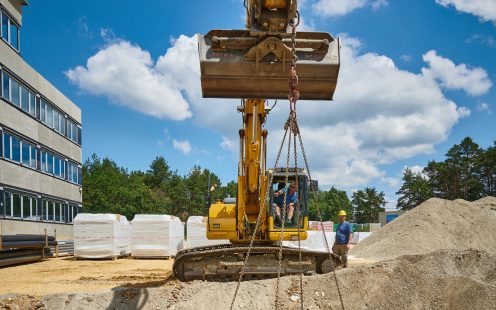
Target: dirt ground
<point>63,275</point>
<point>438,256</point>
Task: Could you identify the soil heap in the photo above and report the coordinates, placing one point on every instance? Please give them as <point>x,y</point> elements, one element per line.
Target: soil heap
<point>433,225</point>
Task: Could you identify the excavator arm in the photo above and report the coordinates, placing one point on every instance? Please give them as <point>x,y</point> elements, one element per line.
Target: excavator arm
<point>250,64</point>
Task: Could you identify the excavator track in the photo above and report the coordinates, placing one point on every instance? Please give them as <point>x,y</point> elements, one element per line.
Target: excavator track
<point>224,262</point>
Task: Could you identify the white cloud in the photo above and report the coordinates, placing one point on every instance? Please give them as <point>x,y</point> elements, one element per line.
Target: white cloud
<point>484,107</point>
<point>227,144</point>
<point>127,76</point>
<point>183,146</point>
<point>484,9</point>
<point>343,7</point>
<point>482,39</point>
<point>381,114</point>
<point>473,81</point>
<point>415,169</point>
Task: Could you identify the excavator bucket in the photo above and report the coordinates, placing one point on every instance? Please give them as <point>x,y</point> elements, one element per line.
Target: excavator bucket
<point>236,65</point>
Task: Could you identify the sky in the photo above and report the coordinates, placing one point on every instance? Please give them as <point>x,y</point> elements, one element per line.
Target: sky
<point>416,78</point>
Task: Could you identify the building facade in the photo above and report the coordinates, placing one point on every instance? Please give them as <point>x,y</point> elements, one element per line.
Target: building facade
<point>41,137</point>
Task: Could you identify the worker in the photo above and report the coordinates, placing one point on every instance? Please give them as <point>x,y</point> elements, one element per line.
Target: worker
<point>343,238</point>
<point>291,198</point>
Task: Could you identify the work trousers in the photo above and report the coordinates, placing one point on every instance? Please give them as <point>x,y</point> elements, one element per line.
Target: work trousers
<point>341,251</point>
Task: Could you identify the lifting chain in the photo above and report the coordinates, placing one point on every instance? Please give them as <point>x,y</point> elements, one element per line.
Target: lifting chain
<point>283,221</point>
<point>291,125</point>
<point>333,266</point>
<point>257,225</point>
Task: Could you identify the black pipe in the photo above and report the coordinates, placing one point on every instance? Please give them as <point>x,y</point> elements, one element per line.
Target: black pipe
<point>25,237</point>
<point>26,244</point>
<point>19,260</point>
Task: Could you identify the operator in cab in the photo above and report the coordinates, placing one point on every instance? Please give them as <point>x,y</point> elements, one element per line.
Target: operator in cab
<point>343,238</point>
<point>291,198</point>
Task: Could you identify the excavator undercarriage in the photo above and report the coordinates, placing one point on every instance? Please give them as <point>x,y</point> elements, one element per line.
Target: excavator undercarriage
<point>224,262</point>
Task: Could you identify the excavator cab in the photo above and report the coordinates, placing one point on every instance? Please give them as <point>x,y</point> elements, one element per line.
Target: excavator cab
<point>255,63</point>
<point>290,226</point>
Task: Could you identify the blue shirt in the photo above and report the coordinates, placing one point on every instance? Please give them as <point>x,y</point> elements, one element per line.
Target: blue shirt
<point>279,200</point>
<point>343,233</point>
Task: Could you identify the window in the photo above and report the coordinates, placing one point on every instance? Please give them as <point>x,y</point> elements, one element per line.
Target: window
<point>24,98</point>
<point>43,161</point>
<point>49,163</point>
<point>32,104</point>
<point>36,212</point>
<point>80,175</point>
<point>50,209</point>
<point>16,205</point>
<point>6,86</point>
<point>25,153</point>
<point>16,149</point>
<point>14,92</point>
<point>26,207</point>
<point>59,167</point>
<point>6,145</point>
<point>73,132</point>
<point>14,35</point>
<point>57,211</point>
<point>74,173</point>
<point>32,157</point>
<point>56,121</point>
<point>62,125</point>
<point>10,31</point>
<point>43,111</point>
<point>79,139</point>
<point>49,115</point>
<point>8,204</point>
<point>5,27</point>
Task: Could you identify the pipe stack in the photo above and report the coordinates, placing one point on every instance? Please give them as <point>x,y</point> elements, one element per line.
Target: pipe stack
<point>18,249</point>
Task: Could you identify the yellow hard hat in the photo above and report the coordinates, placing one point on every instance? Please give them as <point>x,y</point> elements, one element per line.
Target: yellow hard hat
<point>341,213</point>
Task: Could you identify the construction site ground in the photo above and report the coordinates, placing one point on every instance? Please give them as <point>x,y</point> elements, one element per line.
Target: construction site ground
<point>441,255</point>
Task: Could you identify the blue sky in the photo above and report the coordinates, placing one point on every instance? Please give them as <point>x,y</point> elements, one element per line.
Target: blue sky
<point>416,77</point>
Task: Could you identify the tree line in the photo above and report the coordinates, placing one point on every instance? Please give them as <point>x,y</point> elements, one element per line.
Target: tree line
<point>108,188</point>
<point>468,172</point>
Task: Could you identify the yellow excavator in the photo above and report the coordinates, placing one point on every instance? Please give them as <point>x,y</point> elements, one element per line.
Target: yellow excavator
<point>252,64</point>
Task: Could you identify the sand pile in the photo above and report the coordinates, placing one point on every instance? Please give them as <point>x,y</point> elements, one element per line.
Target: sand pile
<point>444,279</point>
<point>435,224</point>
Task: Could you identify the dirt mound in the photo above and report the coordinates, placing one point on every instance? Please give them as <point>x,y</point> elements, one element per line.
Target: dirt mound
<point>435,224</point>
<point>445,279</point>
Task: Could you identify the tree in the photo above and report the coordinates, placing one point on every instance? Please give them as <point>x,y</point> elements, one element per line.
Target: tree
<point>329,203</point>
<point>487,166</point>
<point>367,204</point>
<point>197,189</point>
<point>159,173</point>
<point>415,190</point>
<point>462,161</point>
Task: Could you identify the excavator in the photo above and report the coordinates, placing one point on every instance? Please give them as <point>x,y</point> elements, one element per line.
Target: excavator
<point>254,65</point>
